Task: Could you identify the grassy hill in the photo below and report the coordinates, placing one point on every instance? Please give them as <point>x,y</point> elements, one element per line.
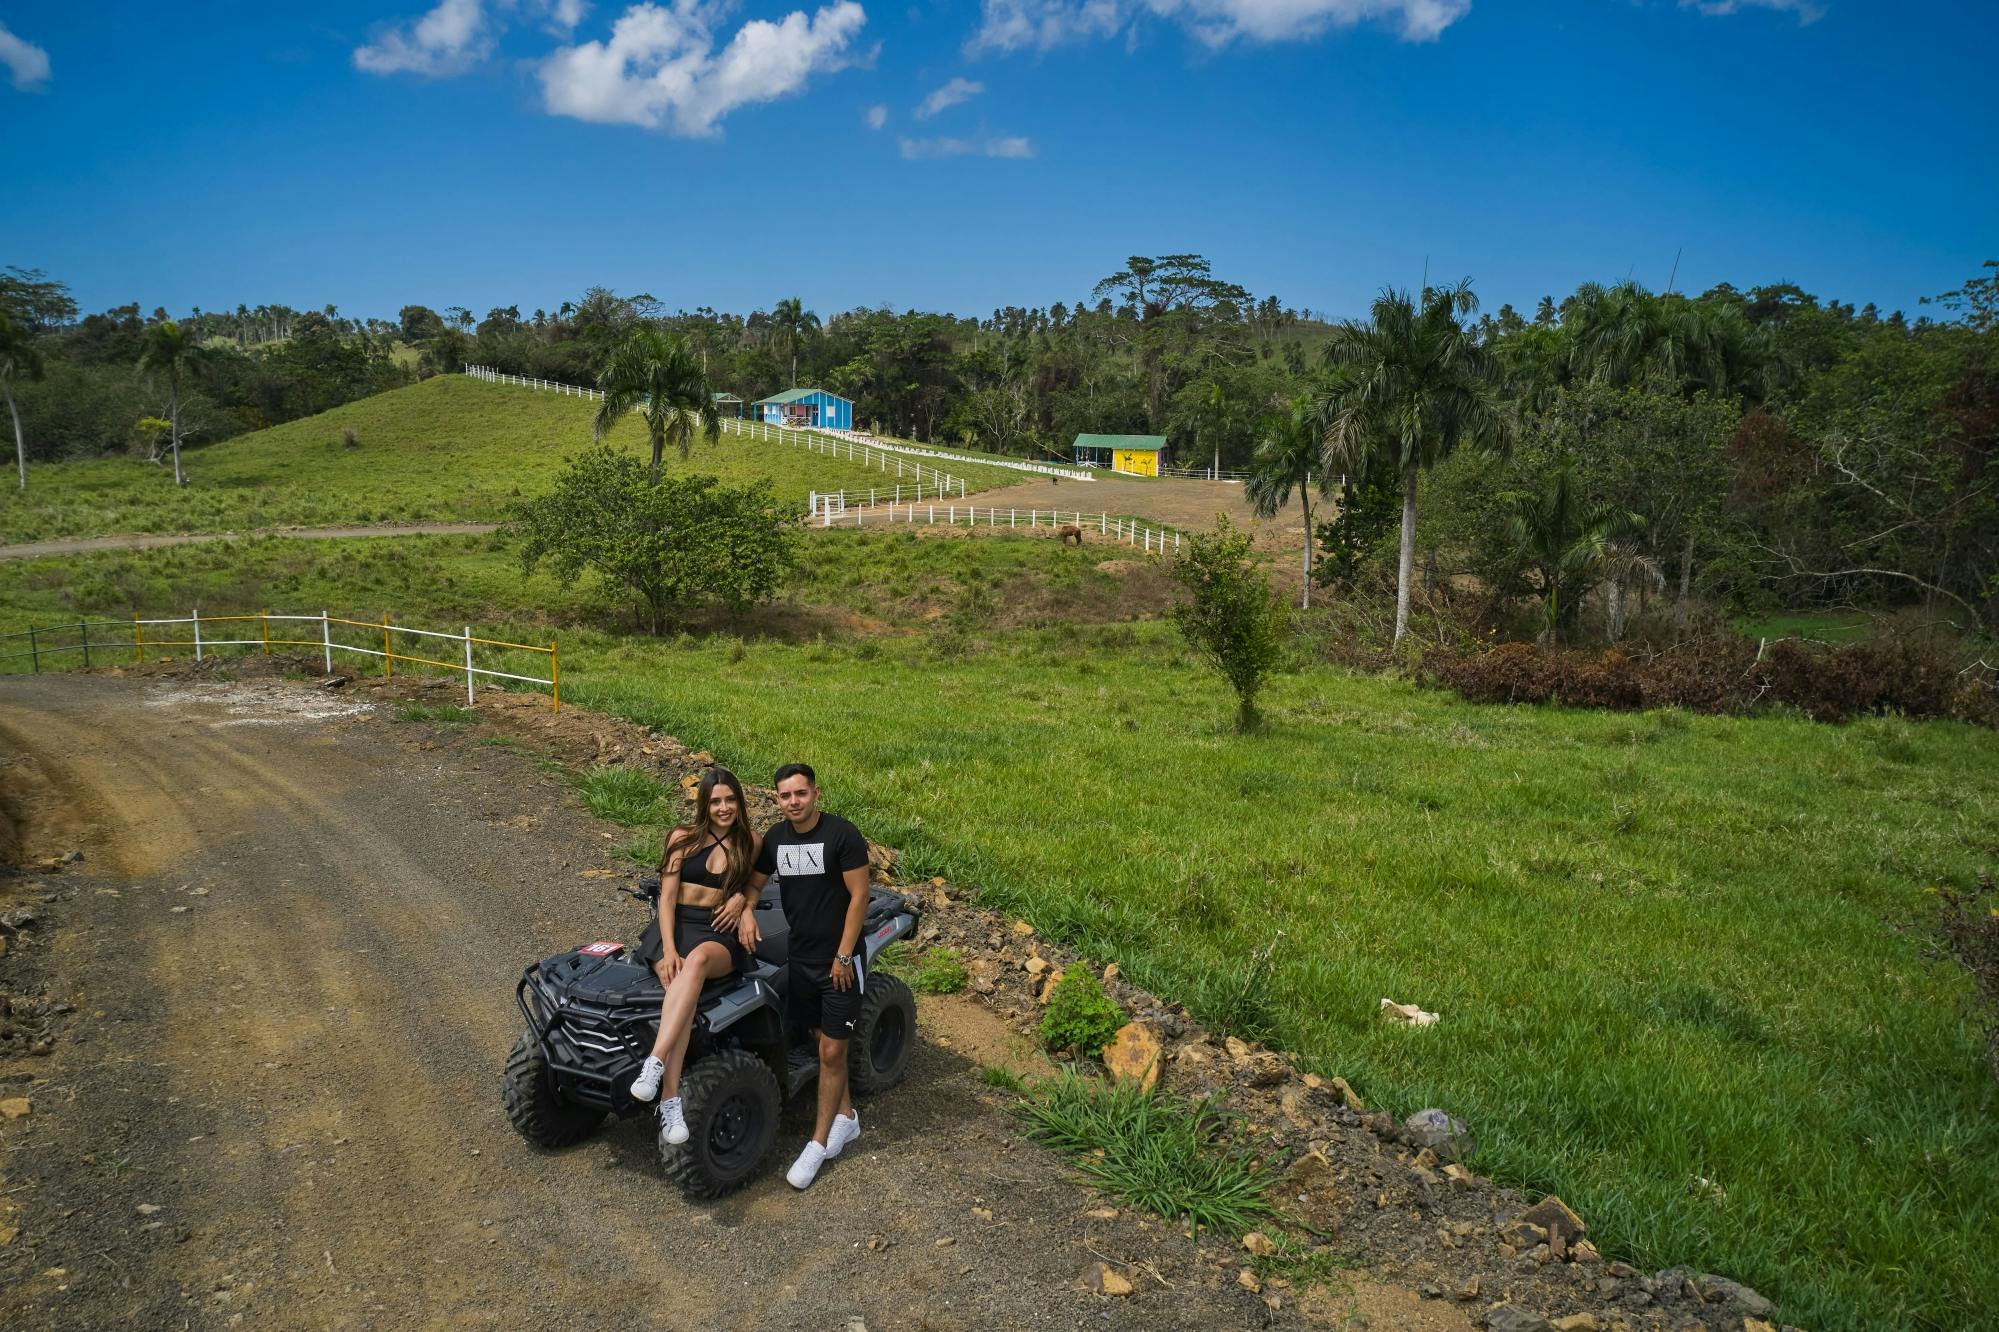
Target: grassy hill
<point>448,449</point>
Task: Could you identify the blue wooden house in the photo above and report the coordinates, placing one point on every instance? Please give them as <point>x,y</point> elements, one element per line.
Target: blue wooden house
<point>807,407</point>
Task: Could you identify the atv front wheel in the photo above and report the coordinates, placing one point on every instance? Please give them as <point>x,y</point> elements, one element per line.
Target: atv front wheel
<point>731,1105</point>
<point>528,1092</point>
<point>883,1037</point>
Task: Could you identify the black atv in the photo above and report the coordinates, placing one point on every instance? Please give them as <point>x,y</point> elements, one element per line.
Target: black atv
<point>592,1014</point>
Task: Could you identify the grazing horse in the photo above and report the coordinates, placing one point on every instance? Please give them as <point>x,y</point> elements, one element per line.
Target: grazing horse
<point>1068,532</point>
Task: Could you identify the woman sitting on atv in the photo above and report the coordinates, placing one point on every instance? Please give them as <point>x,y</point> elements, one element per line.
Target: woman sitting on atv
<point>704,875</point>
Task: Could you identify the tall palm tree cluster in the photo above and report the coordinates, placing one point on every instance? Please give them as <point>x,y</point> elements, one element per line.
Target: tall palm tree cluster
<point>1418,380</point>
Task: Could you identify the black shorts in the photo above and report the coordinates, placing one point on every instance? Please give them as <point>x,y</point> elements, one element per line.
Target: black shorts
<point>817,1006</point>
<point>692,927</point>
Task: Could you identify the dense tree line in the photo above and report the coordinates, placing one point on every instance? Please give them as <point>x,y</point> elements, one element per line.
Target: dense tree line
<point>1617,451</point>
<point>107,383</point>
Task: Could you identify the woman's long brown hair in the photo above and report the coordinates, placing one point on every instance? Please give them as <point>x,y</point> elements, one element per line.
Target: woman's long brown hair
<point>736,849</point>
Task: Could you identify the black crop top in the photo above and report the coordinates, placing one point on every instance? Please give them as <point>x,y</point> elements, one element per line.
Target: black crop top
<point>694,868</point>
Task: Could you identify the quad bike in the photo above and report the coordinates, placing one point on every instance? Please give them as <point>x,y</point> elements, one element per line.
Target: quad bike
<point>592,1014</point>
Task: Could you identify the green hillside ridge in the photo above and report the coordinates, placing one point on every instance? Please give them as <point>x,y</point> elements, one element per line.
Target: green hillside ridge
<point>450,449</point>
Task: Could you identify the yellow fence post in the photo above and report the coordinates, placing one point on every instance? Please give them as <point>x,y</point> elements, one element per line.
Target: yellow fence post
<point>388,659</point>
<point>264,619</point>
<point>555,676</point>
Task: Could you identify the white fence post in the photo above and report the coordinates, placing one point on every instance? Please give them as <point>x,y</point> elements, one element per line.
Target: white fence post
<point>468,665</point>
<point>197,633</point>
<point>1103,522</point>
<point>326,637</point>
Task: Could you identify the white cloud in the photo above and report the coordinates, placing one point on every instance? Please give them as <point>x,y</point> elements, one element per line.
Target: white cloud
<point>914,150</point>
<point>952,93</point>
<point>27,64</point>
<point>1012,25</point>
<point>448,40</point>
<point>877,116</point>
<point>660,67</point>
<point>1807,11</point>
<point>564,15</point>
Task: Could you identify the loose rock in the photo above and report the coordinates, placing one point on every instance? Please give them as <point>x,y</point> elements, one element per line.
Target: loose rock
<point>1104,1280</point>
<point>1553,1215</point>
<point>1446,1135</point>
<point>1721,1289</point>
<point>1135,1055</point>
<point>1508,1318</point>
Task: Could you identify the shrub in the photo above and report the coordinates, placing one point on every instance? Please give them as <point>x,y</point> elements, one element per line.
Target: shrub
<point>1080,1015</point>
<point>1233,619</point>
<point>1177,1158</point>
<point>1715,670</point>
<point>940,972</point>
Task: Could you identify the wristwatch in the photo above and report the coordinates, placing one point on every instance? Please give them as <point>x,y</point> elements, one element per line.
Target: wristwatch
<point>844,959</point>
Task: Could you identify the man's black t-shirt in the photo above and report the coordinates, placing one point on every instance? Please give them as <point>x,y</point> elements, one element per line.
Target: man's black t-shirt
<point>808,867</point>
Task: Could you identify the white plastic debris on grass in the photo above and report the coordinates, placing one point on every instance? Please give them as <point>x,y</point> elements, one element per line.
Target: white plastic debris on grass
<point>1406,1014</point>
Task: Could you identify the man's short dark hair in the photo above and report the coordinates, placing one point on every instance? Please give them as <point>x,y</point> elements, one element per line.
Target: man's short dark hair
<point>796,770</point>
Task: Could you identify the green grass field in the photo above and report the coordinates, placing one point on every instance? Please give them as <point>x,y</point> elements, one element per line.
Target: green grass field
<point>448,449</point>
<point>1667,949</point>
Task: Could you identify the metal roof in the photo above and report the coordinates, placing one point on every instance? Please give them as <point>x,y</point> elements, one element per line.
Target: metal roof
<point>726,397</point>
<point>1135,443</point>
<point>799,395</point>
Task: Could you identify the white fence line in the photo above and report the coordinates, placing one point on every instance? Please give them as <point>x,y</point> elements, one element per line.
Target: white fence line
<point>917,450</point>
<point>328,644</point>
<point>831,510</point>
<point>914,474</point>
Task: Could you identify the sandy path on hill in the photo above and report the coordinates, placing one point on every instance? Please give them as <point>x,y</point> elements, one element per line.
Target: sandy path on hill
<point>37,550</point>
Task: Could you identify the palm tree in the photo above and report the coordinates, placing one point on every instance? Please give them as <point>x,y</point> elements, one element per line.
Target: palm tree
<point>1418,383</point>
<point>19,359</point>
<point>656,372</point>
<point>1569,542</point>
<point>791,324</point>
<point>1291,457</point>
<point>167,349</point>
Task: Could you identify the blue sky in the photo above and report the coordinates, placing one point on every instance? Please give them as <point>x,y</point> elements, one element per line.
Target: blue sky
<point>960,156</point>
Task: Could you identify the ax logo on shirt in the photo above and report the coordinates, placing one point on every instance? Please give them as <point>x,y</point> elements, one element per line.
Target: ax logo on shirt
<point>800,860</point>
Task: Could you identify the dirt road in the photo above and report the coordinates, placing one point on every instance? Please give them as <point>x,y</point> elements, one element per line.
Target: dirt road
<point>36,550</point>
<point>291,947</point>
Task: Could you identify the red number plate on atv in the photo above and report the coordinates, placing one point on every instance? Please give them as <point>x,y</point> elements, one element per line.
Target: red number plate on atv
<point>602,948</point>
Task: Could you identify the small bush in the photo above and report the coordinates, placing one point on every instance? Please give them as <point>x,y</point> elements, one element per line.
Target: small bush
<point>1080,1015</point>
<point>1714,670</point>
<point>1180,1159</point>
<point>349,438</point>
<point>940,972</point>
<point>624,795</point>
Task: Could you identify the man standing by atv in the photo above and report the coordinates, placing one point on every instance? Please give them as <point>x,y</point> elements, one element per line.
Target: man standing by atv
<point>821,864</point>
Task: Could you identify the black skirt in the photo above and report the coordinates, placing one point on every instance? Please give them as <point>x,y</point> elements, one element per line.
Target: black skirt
<point>692,927</point>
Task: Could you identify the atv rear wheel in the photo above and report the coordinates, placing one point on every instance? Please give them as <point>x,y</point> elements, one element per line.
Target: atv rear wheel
<point>731,1104</point>
<point>883,1037</point>
<point>528,1092</point>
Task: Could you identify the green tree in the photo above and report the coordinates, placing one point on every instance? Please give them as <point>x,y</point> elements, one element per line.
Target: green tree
<point>169,352</point>
<point>1417,384</point>
<point>676,546</point>
<point>1567,541</point>
<point>1233,618</point>
<point>20,359</point>
<point>791,327</point>
<point>656,373</point>
<point>1291,457</point>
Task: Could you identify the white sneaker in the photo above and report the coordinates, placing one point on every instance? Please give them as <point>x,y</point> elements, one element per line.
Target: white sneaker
<point>646,1085</point>
<point>672,1124</point>
<point>845,1129</point>
<point>806,1167</point>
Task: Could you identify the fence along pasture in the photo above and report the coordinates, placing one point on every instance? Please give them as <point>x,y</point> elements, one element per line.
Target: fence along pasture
<point>842,508</point>
<point>334,633</point>
<point>921,478</point>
